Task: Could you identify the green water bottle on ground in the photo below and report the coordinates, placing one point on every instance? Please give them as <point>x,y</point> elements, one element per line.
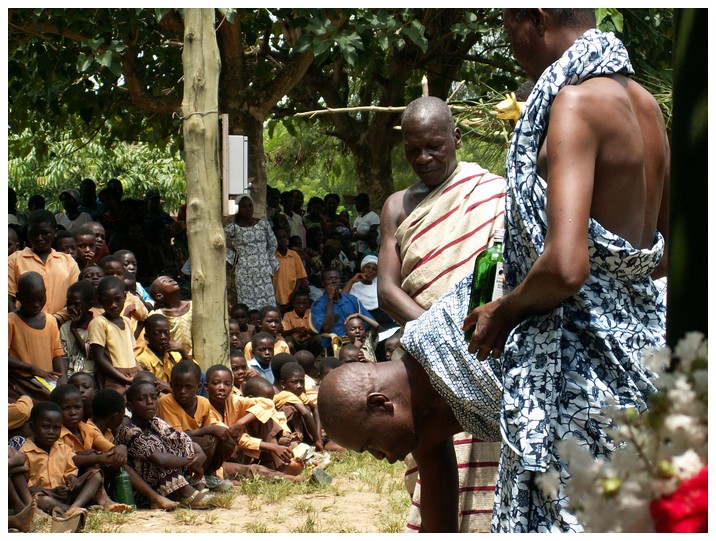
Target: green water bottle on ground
<point>487,279</point>
<point>123,487</point>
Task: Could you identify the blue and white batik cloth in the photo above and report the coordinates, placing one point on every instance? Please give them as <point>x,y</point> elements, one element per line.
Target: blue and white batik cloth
<point>561,369</point>
<point>471,388</point>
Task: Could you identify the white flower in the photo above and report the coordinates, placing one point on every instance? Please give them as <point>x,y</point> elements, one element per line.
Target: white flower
<point>548,483</point>
<point>693,346</point>
<point>701,382</point>
<point>654,452</point>
<point>657,360</point>
<point>687,465</point>
<point>681,395</point>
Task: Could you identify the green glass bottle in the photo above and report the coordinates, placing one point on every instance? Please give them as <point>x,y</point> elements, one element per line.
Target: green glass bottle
<point>123,487</point>
<point>487,283</point>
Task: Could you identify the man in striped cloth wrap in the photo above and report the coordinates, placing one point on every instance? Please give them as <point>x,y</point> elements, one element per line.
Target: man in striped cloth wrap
<point>431,233</point>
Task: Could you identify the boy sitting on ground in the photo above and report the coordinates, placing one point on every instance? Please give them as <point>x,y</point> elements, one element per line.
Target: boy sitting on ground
<point>74,334</point>
<point>262,345</point>
<point>58,486</point>
<point>350,353</point>
<point>240,370</point>
<point>308,362</point>
<point>325,366</point>
<point>236,412</point>
<point>168,301</point>
<point>235,339</point>
<point>297,326</point>
<point>364,339</point>
<point>92,450</point>
<point>109,408</point>
<point>301,415</point>
<point>112,339</point>
<point>134,308</point>
<point>240,313</point>
<point>160,354</point>
<point>86,246</point>
<point>275,431</point>
<point>86,385</point>
<point>166,459</point>
<point>269,322</point>
<point>184,410</point>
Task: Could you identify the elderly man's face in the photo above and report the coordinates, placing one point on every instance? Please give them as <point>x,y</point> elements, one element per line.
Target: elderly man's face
<point>430,148</point>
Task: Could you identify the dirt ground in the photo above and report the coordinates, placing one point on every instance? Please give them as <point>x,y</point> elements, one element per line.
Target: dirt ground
<point>353,503</point>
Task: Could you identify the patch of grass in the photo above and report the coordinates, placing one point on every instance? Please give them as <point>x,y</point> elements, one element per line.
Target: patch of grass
<point>304,507</point>
<point>309,525</point>
<point>376,475</point>
<point>99,521</point>
<point>392,519</point>
<point>258,527</point>
<point>223,500</point>
<point>279,490</point>
<point>186,517</point>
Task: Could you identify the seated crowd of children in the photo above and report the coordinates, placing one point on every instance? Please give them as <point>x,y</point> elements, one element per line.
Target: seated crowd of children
<point>102,378</point>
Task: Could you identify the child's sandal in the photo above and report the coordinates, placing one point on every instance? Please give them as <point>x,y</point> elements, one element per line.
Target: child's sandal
<point>197,500</point>
<point>62,523</point>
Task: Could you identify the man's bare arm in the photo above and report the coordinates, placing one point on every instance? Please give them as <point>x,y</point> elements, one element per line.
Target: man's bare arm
<point>563,267</point>
<point>392,299</point>
<point>438,488</point>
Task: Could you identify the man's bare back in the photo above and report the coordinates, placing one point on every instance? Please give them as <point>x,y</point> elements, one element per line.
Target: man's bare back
<point>628,145</point>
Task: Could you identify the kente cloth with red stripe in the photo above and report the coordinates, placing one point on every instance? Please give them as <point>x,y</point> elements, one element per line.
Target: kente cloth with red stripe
<point>477,463</point>
<point>440,238</point>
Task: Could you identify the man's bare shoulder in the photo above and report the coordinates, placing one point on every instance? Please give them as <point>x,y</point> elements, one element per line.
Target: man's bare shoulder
<point>606,99</point>
<point>401,203</point>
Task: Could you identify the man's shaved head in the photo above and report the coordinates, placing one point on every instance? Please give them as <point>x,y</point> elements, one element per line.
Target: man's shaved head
<point>430,140</point>
<point>367,407</point>
<point>342,395</point>
<point>429,107</point>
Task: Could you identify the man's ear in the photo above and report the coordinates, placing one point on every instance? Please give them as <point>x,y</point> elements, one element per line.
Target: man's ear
<point>457,135</point>
<point>538,18</point>
<point>379,403</point>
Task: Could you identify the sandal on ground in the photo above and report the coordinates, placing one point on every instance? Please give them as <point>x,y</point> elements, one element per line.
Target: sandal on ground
<point>197,500</point>
<point>320,476</point>
<point>62,523</point>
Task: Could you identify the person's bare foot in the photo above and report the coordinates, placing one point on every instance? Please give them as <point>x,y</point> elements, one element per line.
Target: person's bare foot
<point>295,479</point>
<point>294,467</point>
<point>72,511</point>
<point>22,521</point>
<point>115,507</point>
<point>160,502</point>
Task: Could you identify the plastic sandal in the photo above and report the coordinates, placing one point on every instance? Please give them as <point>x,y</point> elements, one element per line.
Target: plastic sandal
<point>64,524</point>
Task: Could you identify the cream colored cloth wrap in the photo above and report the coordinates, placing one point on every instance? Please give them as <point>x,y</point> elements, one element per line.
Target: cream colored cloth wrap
<point>439,241</point>
<point>440,238</point>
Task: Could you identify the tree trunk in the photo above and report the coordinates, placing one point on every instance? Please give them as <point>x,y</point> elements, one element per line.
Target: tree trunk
<point>207,247</point>
<point>374,168</point>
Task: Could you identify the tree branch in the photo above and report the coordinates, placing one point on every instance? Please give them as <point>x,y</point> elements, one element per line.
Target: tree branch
<point>137,90</point>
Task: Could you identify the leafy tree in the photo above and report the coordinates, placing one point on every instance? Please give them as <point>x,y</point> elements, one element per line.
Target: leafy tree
<point>382,63</point>
<point>66,160</point>
<point>120,70</point>
<point>115,75</point>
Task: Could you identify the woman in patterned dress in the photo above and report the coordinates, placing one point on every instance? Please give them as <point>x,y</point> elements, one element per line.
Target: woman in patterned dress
<point>250,250</point>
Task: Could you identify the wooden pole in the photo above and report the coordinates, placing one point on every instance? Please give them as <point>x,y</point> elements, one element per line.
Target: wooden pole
<point>207,247</point>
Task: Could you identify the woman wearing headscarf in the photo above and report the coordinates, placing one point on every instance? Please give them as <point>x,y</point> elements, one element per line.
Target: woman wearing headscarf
<point>364,286</point>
